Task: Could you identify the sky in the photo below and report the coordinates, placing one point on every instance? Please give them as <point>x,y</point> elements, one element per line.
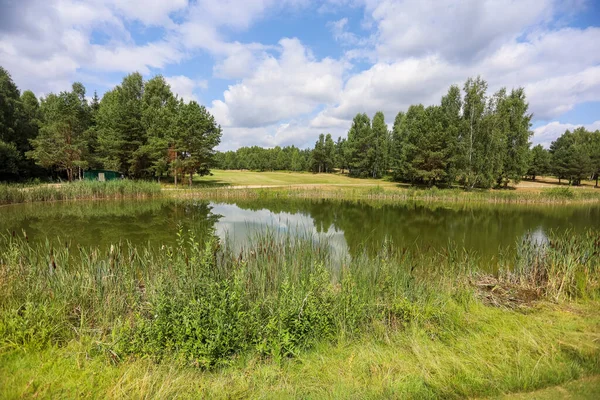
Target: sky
<point>280,72</point>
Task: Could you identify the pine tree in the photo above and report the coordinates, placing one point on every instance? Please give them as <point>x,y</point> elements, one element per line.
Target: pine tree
<point>359,146</point>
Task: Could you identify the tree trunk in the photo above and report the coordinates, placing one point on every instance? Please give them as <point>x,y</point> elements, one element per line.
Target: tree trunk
<point>191,176</point>
<point>596,180</point>
<point>175,177</point>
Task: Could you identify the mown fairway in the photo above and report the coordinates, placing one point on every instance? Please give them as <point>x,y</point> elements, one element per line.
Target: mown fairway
<point>281,178</point>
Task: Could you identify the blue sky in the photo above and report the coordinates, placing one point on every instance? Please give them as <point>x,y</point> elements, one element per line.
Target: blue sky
<point>279,72</point>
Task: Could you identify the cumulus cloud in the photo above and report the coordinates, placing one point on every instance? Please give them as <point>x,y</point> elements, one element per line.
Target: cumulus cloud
<point>283,87</point>
<point>456,30</point>
<point>404,52</point>
<point>49,43</point>
<point>558,69</point>
<point>185,87</point>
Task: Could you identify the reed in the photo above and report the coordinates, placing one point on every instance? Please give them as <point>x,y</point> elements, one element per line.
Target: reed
<point>398,194</point>
<point>15,193</point>
<point>202,301</point>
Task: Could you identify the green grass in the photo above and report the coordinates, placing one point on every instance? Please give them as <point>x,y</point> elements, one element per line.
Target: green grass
<point>581,389</point>
<point>250,184</point>
<point>283,319</point>
<point>391,193</point>
<point>252,178</point>
<point>503,352</point>
<point>15,193</point>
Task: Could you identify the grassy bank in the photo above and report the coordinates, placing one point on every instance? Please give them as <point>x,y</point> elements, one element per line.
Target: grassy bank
<point>282,318</point>
<point>15,193</point>
<point>390,193</point>
<point>251,184</point>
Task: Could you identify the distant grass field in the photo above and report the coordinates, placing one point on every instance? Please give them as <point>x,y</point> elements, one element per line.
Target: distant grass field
<point>252,184</point>
<point>284,178</point>
<point>252,178</point>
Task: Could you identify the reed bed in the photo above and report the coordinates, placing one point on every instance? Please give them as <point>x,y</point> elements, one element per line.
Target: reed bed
<point>79,190</point>
<point>437,324</point>
<point>393,194</point>
<point>202,301</point>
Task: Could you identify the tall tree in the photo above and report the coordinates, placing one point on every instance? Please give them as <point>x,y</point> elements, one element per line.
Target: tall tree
<point>397,147</point>
<point>318,155</point>
<point>10,109</point>
<point>595,155</point>
<point>329,150</point>
<point>359,146</point>
<point>121,133</point>
<point>452,124</point>
<point>61,140</point>
<point>474,107</point>
<point>570,156</point>
<point>379,150</point>
<point>159,110</point>
<point>196,136</point>
<point>539,162</point>
<point>516,136</point>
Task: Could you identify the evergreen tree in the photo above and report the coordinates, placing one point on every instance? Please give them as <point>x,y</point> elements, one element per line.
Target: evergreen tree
<point>121,133</point>
<point>539,162</point>
<point>396,151</point>
<point>318,155</point>
<point>196,134</point>
<point>61,140</point>
<point>359,146</point>
<point>159,111</point>
<point>11,146</point>
<point>570,157</point>
<point>329,151</point>
<point>452,124</point>
<point>379,150</point>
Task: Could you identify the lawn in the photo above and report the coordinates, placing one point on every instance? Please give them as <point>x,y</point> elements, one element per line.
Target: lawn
<point>281,178</point>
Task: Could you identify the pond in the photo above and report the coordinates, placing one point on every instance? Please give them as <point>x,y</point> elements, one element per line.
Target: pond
<point>347,227</point>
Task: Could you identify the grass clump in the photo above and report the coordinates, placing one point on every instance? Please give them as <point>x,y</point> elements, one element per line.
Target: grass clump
<point>284,318</point>
<point>116,189</point>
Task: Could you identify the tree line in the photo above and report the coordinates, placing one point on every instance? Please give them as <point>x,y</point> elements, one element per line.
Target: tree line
<point>471,138</point>
<point>139,128</point>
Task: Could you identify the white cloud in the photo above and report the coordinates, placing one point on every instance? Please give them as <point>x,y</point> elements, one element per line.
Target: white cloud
<point>558,69</point>
<point>405,52</point>
<point>456,30</point>
<point>283,87</point>
<point>185,87</point>
<point>548,133</point>
<point>296,132</point>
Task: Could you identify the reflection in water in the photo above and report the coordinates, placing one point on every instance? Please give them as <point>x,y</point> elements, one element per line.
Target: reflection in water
<point>347,227</point>
<point>237,225</point>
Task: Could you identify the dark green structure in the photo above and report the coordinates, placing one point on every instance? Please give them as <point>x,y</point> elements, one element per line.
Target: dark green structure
<point>101,175</point>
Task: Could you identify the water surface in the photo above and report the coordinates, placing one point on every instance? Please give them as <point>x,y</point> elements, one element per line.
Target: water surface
<point>347,227</point>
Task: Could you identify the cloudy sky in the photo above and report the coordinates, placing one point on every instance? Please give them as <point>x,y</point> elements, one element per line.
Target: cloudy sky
<point>279,72</point>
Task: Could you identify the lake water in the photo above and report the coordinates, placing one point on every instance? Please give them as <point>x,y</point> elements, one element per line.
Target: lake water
<point>347,227</point>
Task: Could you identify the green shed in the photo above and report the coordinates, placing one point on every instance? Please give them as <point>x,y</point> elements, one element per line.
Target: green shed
<point>101,175</point>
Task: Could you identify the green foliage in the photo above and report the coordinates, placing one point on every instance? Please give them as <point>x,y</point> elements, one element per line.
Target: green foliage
<point>539,162</point>
<point>574,155</point>
<point>204,304</point>
<point>289,158</point>
<point>139,128</point>
<point>61,140</point>
<point>14,193</point>
<point>360,146</point>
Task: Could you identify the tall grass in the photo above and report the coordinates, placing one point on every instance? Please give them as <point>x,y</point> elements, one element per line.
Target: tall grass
<point>15,193</point>
<point>397,194</point>
<point>203,302</point>
<point>406,323</point>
